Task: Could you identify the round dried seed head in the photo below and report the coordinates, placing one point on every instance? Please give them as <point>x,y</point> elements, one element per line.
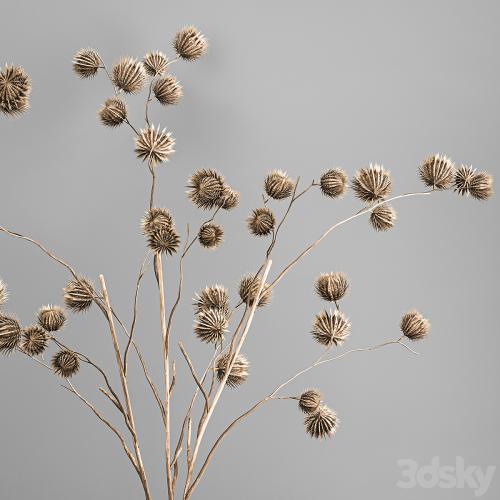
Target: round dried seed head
<point>238,373</point>
<point>86,63</point>
<point>210,235</point>
<point>156,218</point>
<point>206,189</point>
<point>113,112</point>
<point>10,334</point>
<point>322,423</point>
<point>34,340</point>
<point>229,198</point>
<point>155,63</point>
<point>333,183</point>
<point>15,88</point>
<point>78,295</point>
<point>383,217</point>
<point>414,325</point>
<point>165,240</point>
<point>167,90</point>
<point>467,181</point>
<point>331,286</point>
<point>212,297</point>
<point>190,44</point>
<point>261,222</point>
<point>372,184</point>
<point>211,324</point>
<point>310,401</point>
<point>154,145</point>
<point>437,172</point>
<point>4,294</point>
<point>51,318</point>
<point>278,185</point>
<point>330,329</point>
<point>248,289</point>
<point>65,363</point>
<point>129,75</point>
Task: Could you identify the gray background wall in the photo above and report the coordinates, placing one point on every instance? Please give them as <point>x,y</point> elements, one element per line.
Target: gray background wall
<point>291,85</point>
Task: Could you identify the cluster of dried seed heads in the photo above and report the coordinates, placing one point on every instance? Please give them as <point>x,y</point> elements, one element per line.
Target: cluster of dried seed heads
<point>468,181</point>
<point>159,228</point>
<point>15,88</point>
<point>238,373</point>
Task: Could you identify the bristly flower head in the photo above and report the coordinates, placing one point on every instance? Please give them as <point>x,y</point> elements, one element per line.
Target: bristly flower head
<point>330,329</point>
<point>437,172</point>
<point>4,295</point>
<point>310,401</point>
<point>333,183</point>
<point>278,185</point>
<point>211,324</point>
<point>212,297</point>
<point>383,217</point>
<point>78,295</point>
<point>65,363</point>
<point>414,325</point>
<point>164,240</point>
<point>248,289</point>
<point>238,373</point>
<point>34,340</point>
<point>210,235</point>
<point>331,286</point>
<point>15,88</point>
<point>372,184</point>
<point>321,424</point>
<point>206,189</point>
<point>167,90</point>
<point>86,63</point>
<point>51,318</point>
<point>155,63</point>
<point>190,44</point>
<point>261,221</point>
<point>10,334</point>
<point>154,145</point>
<point>156,218</point>
<point>477,184</point>
<point>129,75</point>
<point>229,198</point>
<point>113,112</point>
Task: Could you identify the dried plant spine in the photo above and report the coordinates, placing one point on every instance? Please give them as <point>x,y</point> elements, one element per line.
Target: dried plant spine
<point>113,112</point>
<point>261,221</point>
<point>372,184</point>
<point>15,88</point>
<point>331,286</point>
<point>34,340</point>
<point>65,363</point>
<point>333,183</point>
<point>382,217</point>
<point>330,329</point>
<point>239,370</point>
<point>278,185</point>
<point>129,75</point>
<point>86,63</point>
<point>310,401</point>
<point>437,172</point>
<point>210,235</point>
<point>155,63</point>
<point>51,318</point>
<point>414,326</point>
<point>154,145</point>
<point>78,295</point>
<point>321,424</point>
<point>167,90</point>
<point>10,334</point>
<point>190,44</point>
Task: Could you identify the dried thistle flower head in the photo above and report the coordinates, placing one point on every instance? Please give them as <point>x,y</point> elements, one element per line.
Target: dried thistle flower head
<point>206,188</point>
<point>333,183</point>
<point>310,401</point>
<point>155,63</point>
<point>229,198</point>
<point>167,90</point>
<point>321,424</point>
<point>238,373</point>
<point>210,235</point>
<point>4,294</point>
<point>414,325</point>
<point>86,63</point>
<point>437,172</point>
<point>331,286</point>
<point>51,318</point>
<point>249,287</point>
<point>372,184</point>
<point>78,295</point>
<point>261,221</point>
<point>278,185</point>
<point>65,363</point>
<point>467,181</point>
<point>190,44</point>
<point>113,112</point>
<point>212,297</point>
<point>330,329</point>
<point>10,334</point>
<point>156,218</point>
<point>34,340</point>
<point>129,75</point>
<point>15,88</point>
<point>382,217</point>
<point>211,324</point>
<point>164,240</point>
<point>154,145</point>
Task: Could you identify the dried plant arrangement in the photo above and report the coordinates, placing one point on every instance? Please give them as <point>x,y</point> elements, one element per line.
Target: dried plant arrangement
<point>226,366</point>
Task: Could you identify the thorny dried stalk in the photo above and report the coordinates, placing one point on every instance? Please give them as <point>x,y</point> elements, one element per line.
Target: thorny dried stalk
<point>207,190</point>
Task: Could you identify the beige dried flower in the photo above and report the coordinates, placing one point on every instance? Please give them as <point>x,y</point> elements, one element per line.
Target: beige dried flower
<point>212,297</point>
<point>113,112</point>
<point>15,88</point>
<point>330,329</point>
<point>261,221</point>
<point>211,324</point>
<point>167,90</point>
<point>34,340</point>
<point>437,172</point>
<point>229,198</point>
<point>51,318</point>
<point>467,181</point>
<point>248,289</point>
<point>372,184</point>
<point>155,63</point>
<point>382,217</point>
<point>238,373</point>
<point>129,75</point>
<point>278,185</point>
<point>210,235</point>
<point>206,188</point>
<point>10,334</point>
<point>414,325</point>
<point>321,424</point>
<point>86,63</point>
<point>333,183</point>
<point>156,218</point>
<point>190,44</point>
<point>4,294</point>
<point>78,295</point>
<point>331,286</point>
<point>310,401</point>
<point>154,145</point>
<point>164,240</point>
<point>65,363</point>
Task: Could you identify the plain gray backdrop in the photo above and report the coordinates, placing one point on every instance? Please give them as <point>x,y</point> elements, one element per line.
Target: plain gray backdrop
<point>300,86</point>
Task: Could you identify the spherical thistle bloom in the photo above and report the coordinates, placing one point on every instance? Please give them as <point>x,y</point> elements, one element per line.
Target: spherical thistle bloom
<point>310,401</point>
<point>165,240</point>
<point>154,145</point>
<point>211,324</point>
<point>113,112</point>
<point>156,218</point>
<point>322,423</point>
<point>212,297</point>
<point>65,363</point>
<point>4,294</point>
<point>129,75</point>
<point>331,286</point>
<point>78,295</point>
<point>206,189</point>
<point>333,183</point>
<point>51,318</point>
<point>330,329</point>
<point>248,289</point>
<point>372,184</point>
<point>210,235</point>
<point>10,334</point>
<point>15,88</point>
<point>34,340</point>
<point>190,44</point>
<point>167,90</point>
<point>239,370</point>
<point>278,185</point>
<point>414,325</point>
<point>383,217</point>
<point>467,181</point>
<point>229,198</point>
<point>86,63</point>
<point>437,172</point>
<point>155,63</point>
<point>261,221</point>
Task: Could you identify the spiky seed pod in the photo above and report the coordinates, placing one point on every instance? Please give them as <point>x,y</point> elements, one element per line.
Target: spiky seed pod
<point>4,295</point>
<point>156,218</point>
<point>206,189</point>
<point>330,329</point>
<point>229,198</point>
<point>86,63</point>
<point>437,172</point>
<point>382,217</point>
<point>154,145</point>
<point>248,289</point>
<point>210,235</point>
<point>10,334</point>
<point>215,297</point>
<point>34,340</point>
<point>469,182</point>
<point>238,373</point>
<point>414,325</point>
<point>261,221</point>
<point>310,401</point>
<point>164,241</point>
<point>372,184</point>
<point>113,112</point>
<point>331,286</point>
<point>129,75</point>
<point>333,183</point>
<point>322,423</point>
<point>51,318</point>
<point>155,63</point>
<point>211,324</point>
<point>65,363</point>
<point>167,90</point>
<point>278,185</point>
<point>190,44</point>
<point>78,295</point>
<point>15,88</point>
